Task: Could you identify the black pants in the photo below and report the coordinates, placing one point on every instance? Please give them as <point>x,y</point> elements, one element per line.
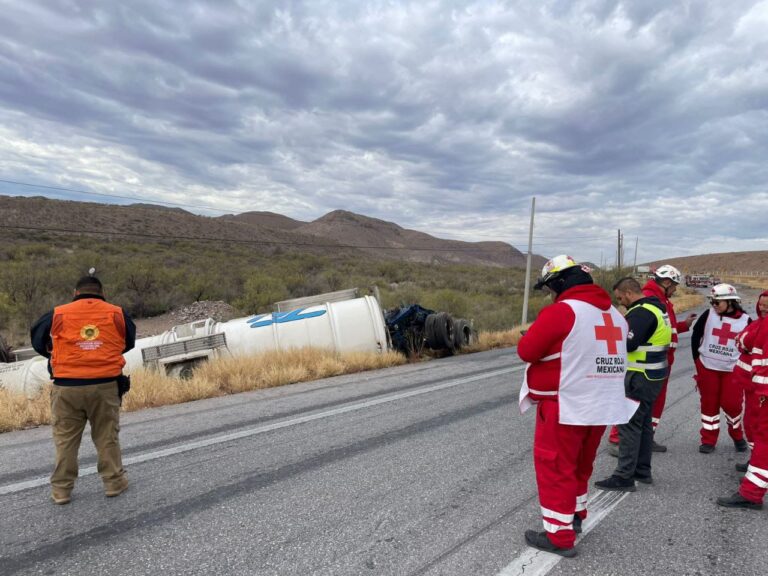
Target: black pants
<point>636,436</point>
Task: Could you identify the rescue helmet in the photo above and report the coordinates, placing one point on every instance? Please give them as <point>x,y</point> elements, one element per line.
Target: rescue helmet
<point>668,271</point>
<point>553,268</point>
<point>723,292</point>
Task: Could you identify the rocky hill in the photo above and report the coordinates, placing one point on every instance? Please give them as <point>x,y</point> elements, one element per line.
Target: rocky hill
<point>338,231</point>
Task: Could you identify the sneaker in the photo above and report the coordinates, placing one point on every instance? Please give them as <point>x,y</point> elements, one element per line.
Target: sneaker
<point>706,448</point>
<point>112,492</point>
<point>61,499</point>
<point>617,484</point>
<point>740,445</point>
<point>577,521</point>
<point>736,500</point>
<point>742,467</point>
<point>539,540</point>
<point>613,449</point>
<point>658,447</point>
<point>643,479</point>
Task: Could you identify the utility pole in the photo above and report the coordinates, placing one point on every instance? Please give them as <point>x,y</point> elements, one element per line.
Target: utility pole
<point>528,264</point>
<point>618,249</point>
<point>634,262</point>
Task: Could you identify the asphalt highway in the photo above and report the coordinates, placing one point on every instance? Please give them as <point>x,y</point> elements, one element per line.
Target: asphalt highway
<point>422,469</point>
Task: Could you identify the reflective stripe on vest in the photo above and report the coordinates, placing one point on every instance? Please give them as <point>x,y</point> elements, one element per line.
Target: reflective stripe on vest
<point>88,340</point>
<point>651,357</point>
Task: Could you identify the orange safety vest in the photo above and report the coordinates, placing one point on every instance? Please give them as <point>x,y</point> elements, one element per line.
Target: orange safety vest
<point>88,340</point>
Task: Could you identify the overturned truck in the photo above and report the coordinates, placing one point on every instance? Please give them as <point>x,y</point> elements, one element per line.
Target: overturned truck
<point>339,321</point>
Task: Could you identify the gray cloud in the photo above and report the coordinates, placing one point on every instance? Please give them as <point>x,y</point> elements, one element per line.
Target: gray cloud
<point>443,116</point>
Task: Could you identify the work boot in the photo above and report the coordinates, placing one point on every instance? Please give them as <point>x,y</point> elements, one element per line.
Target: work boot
<point>707,448</point>
<point>617,484</point>
<point>742,467</point>
<point>740,445</point>
<point>117,489</point>
<point>613,449</point>
<point>736,500</point>
<point>658,447</point>
<point>60,499</point>
<point>577,524</point>
<point>539,540</point>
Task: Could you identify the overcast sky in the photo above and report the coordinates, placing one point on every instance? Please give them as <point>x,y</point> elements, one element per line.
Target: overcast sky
<point>442,116</point>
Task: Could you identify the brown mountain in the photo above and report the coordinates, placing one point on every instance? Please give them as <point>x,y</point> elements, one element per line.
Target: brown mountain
<point>267,219</point>
<point>388,240</point>
<point>338,230</point>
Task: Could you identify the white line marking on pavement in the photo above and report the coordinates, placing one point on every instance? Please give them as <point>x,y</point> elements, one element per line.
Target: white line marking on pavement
<point>533,562</point>
<point>43,480</point>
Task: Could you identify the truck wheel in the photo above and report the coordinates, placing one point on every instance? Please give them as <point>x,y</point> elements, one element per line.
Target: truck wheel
<point>462,334</point>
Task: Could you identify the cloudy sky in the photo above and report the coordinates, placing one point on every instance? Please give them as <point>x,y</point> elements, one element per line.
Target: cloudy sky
<point>443,116</point>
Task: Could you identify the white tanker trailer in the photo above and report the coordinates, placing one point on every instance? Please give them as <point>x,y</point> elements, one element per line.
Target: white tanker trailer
<point>355,325</point>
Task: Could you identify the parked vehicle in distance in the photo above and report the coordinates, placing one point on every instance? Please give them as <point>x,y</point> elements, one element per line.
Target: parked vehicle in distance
<point>700,280</point>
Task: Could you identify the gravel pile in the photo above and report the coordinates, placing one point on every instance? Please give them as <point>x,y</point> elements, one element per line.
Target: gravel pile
<point>218,310</point>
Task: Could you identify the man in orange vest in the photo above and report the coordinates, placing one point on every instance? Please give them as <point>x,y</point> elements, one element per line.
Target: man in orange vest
<point>84,342</point>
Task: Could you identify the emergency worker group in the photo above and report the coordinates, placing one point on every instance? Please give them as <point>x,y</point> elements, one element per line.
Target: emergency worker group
<point>589,367</point>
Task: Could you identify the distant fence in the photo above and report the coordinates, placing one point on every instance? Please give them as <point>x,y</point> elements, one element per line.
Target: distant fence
<point>721,273</point>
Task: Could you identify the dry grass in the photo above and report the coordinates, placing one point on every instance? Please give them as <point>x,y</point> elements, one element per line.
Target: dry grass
<point>759,282</point>
<point>17,412</point>
<point>234,375</point>
<point>224,376</point>
<point>686,301</point>
<point>498,339</point>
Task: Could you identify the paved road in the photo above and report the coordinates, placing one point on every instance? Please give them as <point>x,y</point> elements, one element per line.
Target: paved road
<point>420,469</point>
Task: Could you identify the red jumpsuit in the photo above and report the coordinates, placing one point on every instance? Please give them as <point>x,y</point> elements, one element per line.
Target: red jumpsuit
<point>755,482</point>
<point>563,453</point>
<point>742,374</point>
<point>713,345</point>
<point>651,288</point>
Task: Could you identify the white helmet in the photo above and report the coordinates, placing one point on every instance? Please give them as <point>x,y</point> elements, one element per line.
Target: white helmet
<point>553,267</point>
<point>668,271</point>
<point>723,292</point>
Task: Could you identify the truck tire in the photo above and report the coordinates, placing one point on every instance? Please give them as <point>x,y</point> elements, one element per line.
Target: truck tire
<point>430,332</point>
<point>462,334</point>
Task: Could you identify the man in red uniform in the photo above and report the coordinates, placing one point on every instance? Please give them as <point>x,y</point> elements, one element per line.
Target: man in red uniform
<point>84,342</point>
<point>662,286</point>
<point>577,357</point>
<point>755,483</point>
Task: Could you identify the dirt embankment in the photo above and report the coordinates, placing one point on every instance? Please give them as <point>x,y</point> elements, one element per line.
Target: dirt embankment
<point>218,310</point>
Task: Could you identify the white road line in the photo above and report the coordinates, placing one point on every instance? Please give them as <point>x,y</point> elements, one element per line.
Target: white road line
<point>43,480</point>
<point>533,562</point>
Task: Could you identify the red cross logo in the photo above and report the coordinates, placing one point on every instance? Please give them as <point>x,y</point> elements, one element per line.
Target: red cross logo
<point>724,334</point>
<point>610,333</point>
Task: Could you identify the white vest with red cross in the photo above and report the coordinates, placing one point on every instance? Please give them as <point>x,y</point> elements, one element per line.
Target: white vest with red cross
<point>592,367</point>
<point>718,349</point>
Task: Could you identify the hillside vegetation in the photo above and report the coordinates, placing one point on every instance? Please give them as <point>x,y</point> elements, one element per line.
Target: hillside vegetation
<point>150,278</point>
